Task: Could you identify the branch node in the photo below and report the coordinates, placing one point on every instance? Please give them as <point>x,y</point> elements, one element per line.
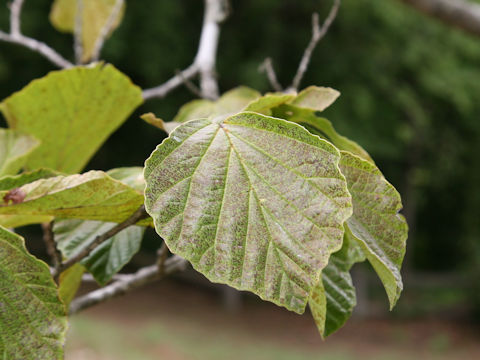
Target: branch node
<point>318,32</point>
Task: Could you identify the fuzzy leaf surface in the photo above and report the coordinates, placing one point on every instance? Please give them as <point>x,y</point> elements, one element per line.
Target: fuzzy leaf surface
<point>252,201</point>
<point>32,318</point>
<point>72,112</point>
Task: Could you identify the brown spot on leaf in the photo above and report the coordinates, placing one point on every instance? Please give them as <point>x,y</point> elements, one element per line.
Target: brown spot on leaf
<point>16,196</point>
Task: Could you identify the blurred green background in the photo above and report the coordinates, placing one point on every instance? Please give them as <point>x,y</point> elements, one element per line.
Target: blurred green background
<point>410,95</point>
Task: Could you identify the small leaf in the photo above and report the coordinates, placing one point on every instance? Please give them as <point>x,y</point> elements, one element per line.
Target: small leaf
<point>252,201</point>
<point>264,104</point>
<point>72,112</point>
<point>376,224</point>
<point>333,299</point>
<point>72,236</point>
<point>229,103</point>
<point>14,151</point>
<point>159,123</point>
<point>90,196</point>
<point>131,176</point>
<point>10,182</point>
<point>94,17</point>
<point>235,100</point>
<point>32,318</point>
<point>69,282</point>
<point>321,127</point>
<point>195,109</point>
<point>316,98</point>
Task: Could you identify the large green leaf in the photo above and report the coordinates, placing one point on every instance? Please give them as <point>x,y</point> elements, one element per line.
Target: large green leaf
<point>333,299</point>
<point>14,150</point>
<point>321,127</point>
<point>72,112</point>
<point>251,201</point>
<point>376,223</point>
<point>90,196</point>
<point>72,236</point>
<point>95,16</point>
<point>229,103</point>
<point>32,317</point>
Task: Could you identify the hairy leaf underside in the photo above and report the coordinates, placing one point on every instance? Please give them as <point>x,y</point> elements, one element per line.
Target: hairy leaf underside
<point>251,201</point>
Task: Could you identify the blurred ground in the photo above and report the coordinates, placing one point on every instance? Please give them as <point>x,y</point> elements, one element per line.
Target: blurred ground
<point>176,321</point>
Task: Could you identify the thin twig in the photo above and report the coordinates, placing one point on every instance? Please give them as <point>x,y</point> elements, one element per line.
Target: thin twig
<point>190,85</point>
<point>15,37</point>
<point>162,90</point>
<point>215,13</point>
<point>15,12</point>
<point>107,29</point>
<point>38,47</point>
<point>132,220</point>
<point>129,282</point>
<point>50,244</point>
<point>317,34</point>
<point>267,67</point>
<point>78,33</point>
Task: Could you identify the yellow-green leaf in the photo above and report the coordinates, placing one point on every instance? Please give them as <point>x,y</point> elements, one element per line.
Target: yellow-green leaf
<point>321,127</point>
<point>264,104</point>
<point>72,112</point>
<point>69,283</point>
<point>13,181</point>
<point>315,98</point>
<point>229,103</point>
<point>14,150</point>
<point>251,201</point>
<point>95,16</point>
<point>90,196</point>
<point>159,123</point>
<point>32,317</point>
